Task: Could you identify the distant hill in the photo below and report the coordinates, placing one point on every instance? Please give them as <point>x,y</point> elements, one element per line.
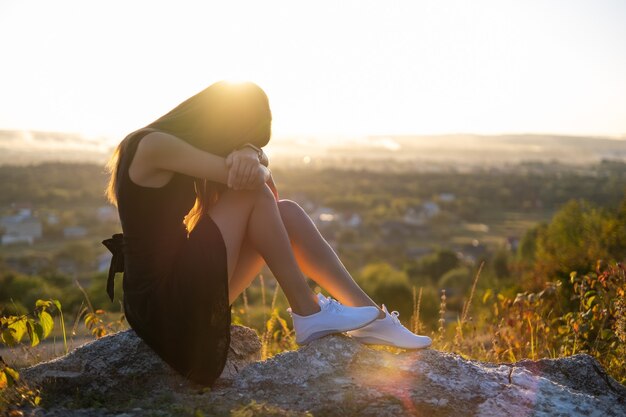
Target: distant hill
<point>459,151</point>
<point>413,152</point>
<point>19,147</point>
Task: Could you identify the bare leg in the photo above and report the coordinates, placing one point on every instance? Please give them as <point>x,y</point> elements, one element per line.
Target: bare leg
<point>249,265</point>
<point>318,260</point>
<point>314,255</point>
<point>254,212</point>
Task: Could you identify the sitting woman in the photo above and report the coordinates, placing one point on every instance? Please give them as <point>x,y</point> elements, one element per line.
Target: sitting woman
<point>200,216</point>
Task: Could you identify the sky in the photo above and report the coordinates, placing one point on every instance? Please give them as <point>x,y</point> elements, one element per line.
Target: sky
<point>105,68</point>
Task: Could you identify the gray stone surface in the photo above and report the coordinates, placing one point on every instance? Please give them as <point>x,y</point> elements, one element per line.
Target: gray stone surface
<point>332,376</point>
<point>123,362</point>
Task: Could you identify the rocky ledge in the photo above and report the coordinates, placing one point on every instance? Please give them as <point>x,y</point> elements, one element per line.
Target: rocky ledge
<point>118,375</point>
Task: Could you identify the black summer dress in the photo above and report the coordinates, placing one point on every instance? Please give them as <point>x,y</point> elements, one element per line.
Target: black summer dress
<point>175,285</point>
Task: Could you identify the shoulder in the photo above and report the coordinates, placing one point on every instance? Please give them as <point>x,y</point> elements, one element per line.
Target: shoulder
<point>155,140</point>
<point>157,143</point>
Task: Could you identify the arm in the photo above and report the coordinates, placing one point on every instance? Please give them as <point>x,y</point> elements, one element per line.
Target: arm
<point>162,151</point>
<point>265,160</point>
<point>270,183</point>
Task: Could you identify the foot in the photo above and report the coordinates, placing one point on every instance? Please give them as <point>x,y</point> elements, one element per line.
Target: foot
<point>389,331</point>
<point>333,317</point>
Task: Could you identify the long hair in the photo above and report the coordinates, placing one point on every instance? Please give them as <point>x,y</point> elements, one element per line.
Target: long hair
<point>218,119</point>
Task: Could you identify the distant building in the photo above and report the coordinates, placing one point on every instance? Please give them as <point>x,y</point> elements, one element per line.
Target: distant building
<point>53,219</point>
<point>22,227</point>
<point>351,219</point>
<point>420,215</point>
<point>20,215</point>
<point>430,208</point>
<point>107,214</point>
<point>447,197</point>
<point>74,231</point>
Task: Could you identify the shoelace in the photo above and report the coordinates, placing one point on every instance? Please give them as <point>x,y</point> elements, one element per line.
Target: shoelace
<point>333,304</point>
<point>394,317</point>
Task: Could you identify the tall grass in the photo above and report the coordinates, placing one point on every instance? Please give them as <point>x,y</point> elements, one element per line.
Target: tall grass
<point>415,319</point>
<point>545,325</point>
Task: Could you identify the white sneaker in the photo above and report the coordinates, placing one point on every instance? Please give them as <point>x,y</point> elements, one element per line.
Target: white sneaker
<point>389,331</point>
<point>333,317</point>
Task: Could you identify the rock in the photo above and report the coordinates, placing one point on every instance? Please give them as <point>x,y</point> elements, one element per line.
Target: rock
<point>337,376</point>
<point>122,364</point>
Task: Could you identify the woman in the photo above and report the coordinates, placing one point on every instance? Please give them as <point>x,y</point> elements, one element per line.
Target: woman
<point>200,216</point>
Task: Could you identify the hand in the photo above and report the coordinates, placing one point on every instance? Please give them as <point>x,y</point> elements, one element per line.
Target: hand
<point>245,171</point>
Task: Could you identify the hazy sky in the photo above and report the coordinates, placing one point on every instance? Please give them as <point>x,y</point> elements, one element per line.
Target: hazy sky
<point>342,67</point>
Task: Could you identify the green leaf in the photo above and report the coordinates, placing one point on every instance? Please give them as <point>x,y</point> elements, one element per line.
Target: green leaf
<point>57,303</point>
<point>35,331</point>
<point>8,337</point>
<point>4,382</point>
<point>43,304</point>
<point>13,375</point>
<point>487,295</point>
<point>606,334</point>
<point>589,301</point>
<point>90,320</point>
<point>39,331</point>
<point>47,324</point>
<point>19,329</point>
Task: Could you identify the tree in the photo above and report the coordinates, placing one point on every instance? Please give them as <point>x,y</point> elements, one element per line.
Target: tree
<point>573,241</point>
<point>434,265</point>
<point>389,286</point>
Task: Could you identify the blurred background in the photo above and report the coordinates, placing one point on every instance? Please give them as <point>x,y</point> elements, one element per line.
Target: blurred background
<point>462,158</point>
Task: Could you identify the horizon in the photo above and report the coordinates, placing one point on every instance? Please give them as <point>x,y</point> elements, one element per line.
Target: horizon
<point>332,137</point>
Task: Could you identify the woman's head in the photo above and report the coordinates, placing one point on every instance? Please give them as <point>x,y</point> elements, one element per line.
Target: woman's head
<point>218,119</point>
<point>221,117</point>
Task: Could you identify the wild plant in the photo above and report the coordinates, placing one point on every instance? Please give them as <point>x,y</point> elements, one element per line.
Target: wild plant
<point>37,325</point>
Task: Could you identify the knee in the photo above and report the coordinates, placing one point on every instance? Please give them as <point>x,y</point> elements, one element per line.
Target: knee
<point>290,210</point>
<point>266,193</point>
